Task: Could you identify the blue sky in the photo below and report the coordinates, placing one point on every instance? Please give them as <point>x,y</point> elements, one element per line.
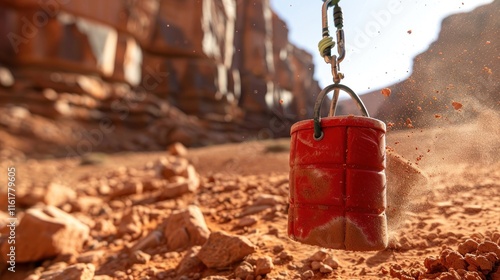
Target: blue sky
<point>379,48</point>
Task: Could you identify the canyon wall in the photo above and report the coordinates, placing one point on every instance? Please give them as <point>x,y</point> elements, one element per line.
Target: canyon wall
<point>80,76</point>
<point>461,68</point>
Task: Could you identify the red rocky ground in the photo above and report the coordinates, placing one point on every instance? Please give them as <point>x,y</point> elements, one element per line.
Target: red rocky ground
<point>220,213</point>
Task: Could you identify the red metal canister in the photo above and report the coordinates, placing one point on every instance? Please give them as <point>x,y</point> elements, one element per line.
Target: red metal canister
<point>337,180</point>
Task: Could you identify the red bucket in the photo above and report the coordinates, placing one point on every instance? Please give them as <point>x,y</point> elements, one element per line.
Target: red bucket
<point>337,180</point>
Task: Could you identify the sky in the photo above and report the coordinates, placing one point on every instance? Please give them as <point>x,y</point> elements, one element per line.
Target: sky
<point>379,46</point>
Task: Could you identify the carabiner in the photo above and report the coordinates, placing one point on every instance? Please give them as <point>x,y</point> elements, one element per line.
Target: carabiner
<point>326,43</point>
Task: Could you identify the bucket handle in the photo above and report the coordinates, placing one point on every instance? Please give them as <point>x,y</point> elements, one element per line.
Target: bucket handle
<point>318,132</point>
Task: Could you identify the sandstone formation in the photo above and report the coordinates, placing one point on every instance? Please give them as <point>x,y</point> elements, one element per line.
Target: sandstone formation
<point>140,75</point>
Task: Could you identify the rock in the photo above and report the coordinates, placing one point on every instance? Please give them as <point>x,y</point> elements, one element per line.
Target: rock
<point>222,250</point>
<point>331,262</point>
<point>247,221</point>
<point>324,268</point>
<point>264,265</point>
<point>308,274</point>
<point>79,271</point>
<point>86,204</point>
<point>62,234</point>
<point>244,271</point>
<point>91,256</point>
<point>285,256</point>
<point>102,277</point>
<point>315,265</point>
<point>139,257</point>
<point>268,199</point>
<point>186,228</point>
<point>127,188</point>
<point>57,194</point>
<point>254,209</point>
<point>150,240</point>
<point>6,78</point>
<point>173,166</point>
<point>181,185</point>
<point>468,246</point>
<point>133,221</point>
<point>489,246</point>
<point>190,262</point>
<point>177,149</point>
<point>319,256</point>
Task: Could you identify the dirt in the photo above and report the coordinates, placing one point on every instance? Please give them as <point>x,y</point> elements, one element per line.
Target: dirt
<point>430,227</point>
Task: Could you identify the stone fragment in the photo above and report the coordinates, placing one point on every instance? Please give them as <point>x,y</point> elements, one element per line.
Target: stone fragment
<point>453,259</point>
<point>139,257</point>
<point>308,274</point>
<point>468,246</point>
<point>324,268</point>
<point>91,257</point>
<point>190,262</point>
<point>173,166</point>
<point>86,204</point>
<point>264,265</point>
<point>319,256</point>
<point>57,194</point>
<point>54,231</point>
<point>177,149</point>
<point>244,271</point>
<point>222,249</point>
<point>268,199</point>
<point>186,228</point>
<point>247,221</point>
<point>6,78</point>
<point>331,262</point>
<point>127,188</point>
<point>133,221</point>
<point>489,246</point>
<point>254,209</point>
<point>150,240</point>
<point>79,271</point>
<point>315,265</point>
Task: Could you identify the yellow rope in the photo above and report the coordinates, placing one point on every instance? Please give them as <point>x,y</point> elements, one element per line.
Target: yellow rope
<point>325,43</point>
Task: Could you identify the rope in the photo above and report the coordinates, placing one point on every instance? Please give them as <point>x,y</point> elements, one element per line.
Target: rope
<point>325,45</point>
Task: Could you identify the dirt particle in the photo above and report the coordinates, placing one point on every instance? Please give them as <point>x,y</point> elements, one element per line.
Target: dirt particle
<point>386,92</point>
<point>409,123</point>
<point>456,105</point>
<point>487,70</point>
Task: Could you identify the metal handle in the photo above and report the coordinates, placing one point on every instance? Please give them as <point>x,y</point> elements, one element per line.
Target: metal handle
<point>318,133</point>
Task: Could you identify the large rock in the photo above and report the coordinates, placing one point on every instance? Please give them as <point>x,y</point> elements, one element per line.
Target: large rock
<point>54,231</point>
<point>222,249</point>
<point>186,228</point>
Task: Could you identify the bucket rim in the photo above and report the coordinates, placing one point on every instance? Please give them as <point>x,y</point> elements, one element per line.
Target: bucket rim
<point>340,121</point>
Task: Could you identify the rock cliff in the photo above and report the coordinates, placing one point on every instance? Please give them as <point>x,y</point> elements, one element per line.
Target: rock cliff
<point>81,76</point>
<point>461,66</point>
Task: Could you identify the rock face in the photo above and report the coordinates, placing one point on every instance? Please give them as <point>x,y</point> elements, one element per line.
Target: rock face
<point>196,72</point>
<point>460,69</point>
<point>53,230</point>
